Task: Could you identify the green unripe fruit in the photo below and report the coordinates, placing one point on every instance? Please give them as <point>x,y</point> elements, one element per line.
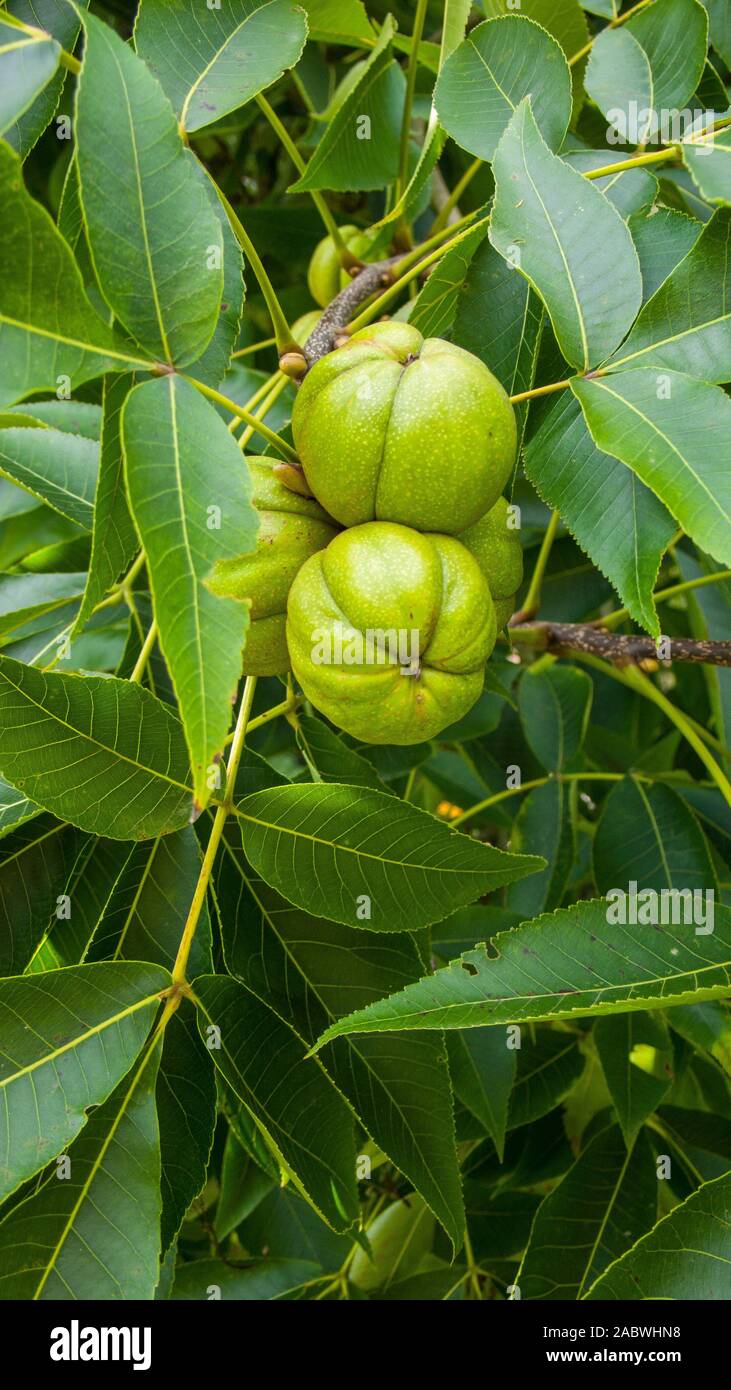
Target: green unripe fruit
<point>497,549</point>
<point>389,631</point>
<point>291,529</point>
<point>395,427</point>
<point>399,1238</point>
<point>326,276</point>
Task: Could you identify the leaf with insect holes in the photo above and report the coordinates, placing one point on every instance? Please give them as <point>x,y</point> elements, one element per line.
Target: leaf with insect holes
<point>571,963</point>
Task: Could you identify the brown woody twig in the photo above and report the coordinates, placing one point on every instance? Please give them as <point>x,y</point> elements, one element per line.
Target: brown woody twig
<point>617,648</point>
<point>339,312</point>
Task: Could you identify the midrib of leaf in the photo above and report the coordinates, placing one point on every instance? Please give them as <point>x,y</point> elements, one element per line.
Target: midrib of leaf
<point>217,55</point>
<point>144,363</point>
<point>31,845</point>
<point>375,1078</point>
<point>664,342</point>
<point>491,74</point>
<point>143,218</point>
<point>656,831</point>
<point>78,733</point>
<point>609,1209</point>
<point>348,849</point>
<point>557,239</point>
<point>96,1165</point>
<point>138,894</point>
<point>189,557</point>
<point>75,1042</point>
<point>19,43</point>
<point>602,386</point>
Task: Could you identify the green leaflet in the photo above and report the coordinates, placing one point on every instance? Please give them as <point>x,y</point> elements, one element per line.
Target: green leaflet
<point>570,963</point>
<point>48,328</point>
<point>27,63</point>
<point>60,19</point>
<point>607,1200</point>
<point>56,467</point>
<point>366,859</point>
<point>114,756</point>
<point>96,1233</point>
<point>155,242</point>
<point>301,1115</point>
<point>686,325</point>
<point>311,972</point>
<point>212,61</point>
<point>675,434</point>
<point>189,491</point>
<point>649,67</point>
<point>636,1054</point>
<point>564,236</point>
<point>488,75</point>
<point>114,540</point>
<point>684,1256</point>
<point>83,1027</point>
<point>555,706</point>
<point>616,519</point>
<point>709,164</point>
<point>33,871</point>
<point>344,160</point>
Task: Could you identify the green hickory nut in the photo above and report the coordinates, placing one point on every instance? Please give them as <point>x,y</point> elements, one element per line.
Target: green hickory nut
<point>325,275</point>
<point>396,427</point>
<point>400,1238</point>
<point>389,630</point>
<point>497,549</point>
<point>291,529</point>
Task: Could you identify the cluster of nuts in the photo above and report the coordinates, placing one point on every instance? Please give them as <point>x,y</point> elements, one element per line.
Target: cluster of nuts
<point>406,445</point>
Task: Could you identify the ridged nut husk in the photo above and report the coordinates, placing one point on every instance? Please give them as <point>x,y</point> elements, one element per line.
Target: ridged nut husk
<point>291,529</point>
<point>426,607</point>
<point>396,427</point>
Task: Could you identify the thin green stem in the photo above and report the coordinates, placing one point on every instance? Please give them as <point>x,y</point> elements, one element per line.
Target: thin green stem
<point>329,222</point>
<point>252,348</point>
<point>620,614</point>
<point>377,306</point>
<point>201,888</point>
<point>613,24</point>
<point>437,239</point>
<point>411,72</point>
<point>635,680</point>
<point>275,391</point>
<point>144,656</point>
<point>441,218</point>
<point>275,440</point>
<point>533,597</point>
<point>541,782</point>
<point>541,391</point>
<point>282,332</point>
<point>259,394</point>
<point>410,783</point>
<point>636,162</point>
